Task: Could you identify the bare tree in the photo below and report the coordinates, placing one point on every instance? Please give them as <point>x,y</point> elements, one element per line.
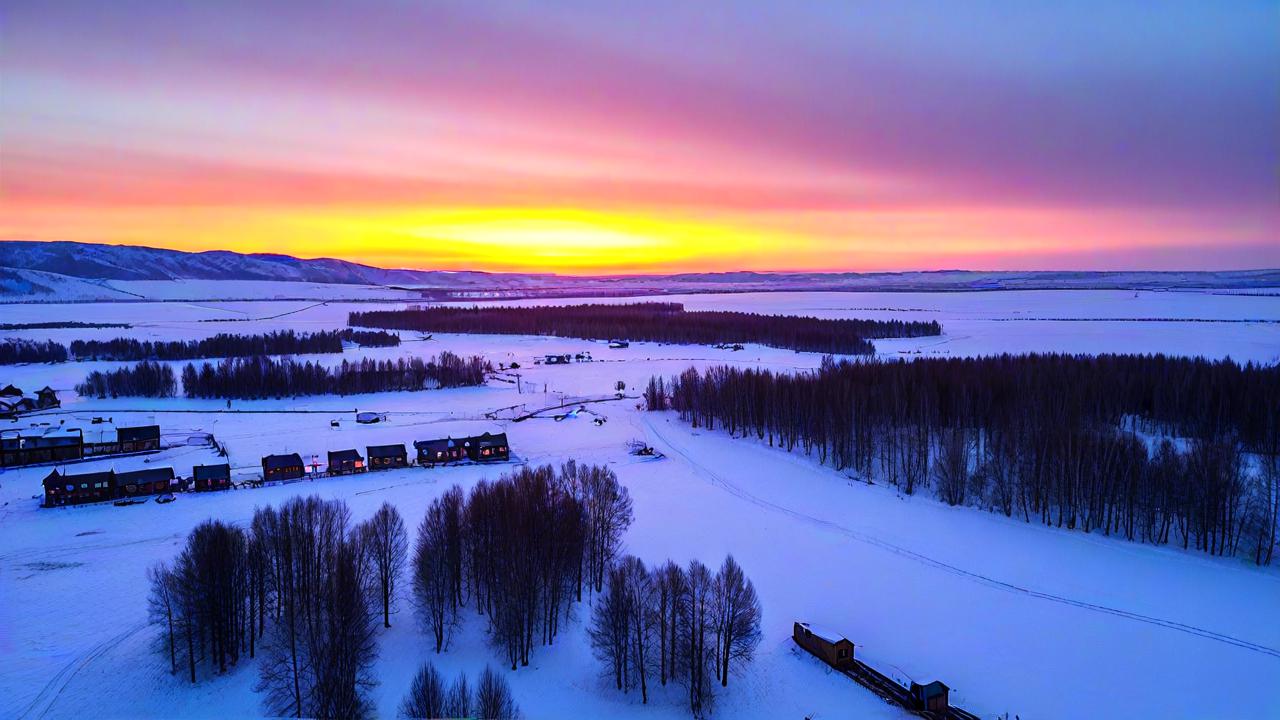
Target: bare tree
<point>671,586</point>
<point>433,591</point>
<point>383,536</point>
<point>737,617</point>
<point>458,701</point>
<point>426,698</point>
<point>493,697</point>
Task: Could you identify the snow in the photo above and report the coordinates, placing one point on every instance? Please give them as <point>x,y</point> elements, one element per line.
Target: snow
<point>1015,617</point>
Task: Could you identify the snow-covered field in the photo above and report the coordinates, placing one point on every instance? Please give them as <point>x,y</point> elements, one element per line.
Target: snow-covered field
<point>1016,618</point>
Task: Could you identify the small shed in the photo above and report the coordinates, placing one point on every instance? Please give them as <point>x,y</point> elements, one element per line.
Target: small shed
<point>933,696</point>
<point>144,482</point>
<point>831,647</point>
<point>387,457</point>
<point>139,439</point>
<point>439,452</point>
<point>10,391</point>
<point>211,477</point>
<point>282,467</point>
<point>489,448</point>
<point>345,462</point>
<point>47,397</point>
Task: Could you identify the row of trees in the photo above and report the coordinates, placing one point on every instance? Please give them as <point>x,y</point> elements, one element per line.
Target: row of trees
<point>16,350</point>
<point>675,625</point>
<point>299,587</point>
<point>264,377</point>
<point>661,322</point>
<point>145,379</point>
<point>520,549</point>
<point>371,338</point>
<point>428,697</point>
<point>283,342</point>
<point>1079,442</point>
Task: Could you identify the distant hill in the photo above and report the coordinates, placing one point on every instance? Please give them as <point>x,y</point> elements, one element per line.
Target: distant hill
<point>64,271</point>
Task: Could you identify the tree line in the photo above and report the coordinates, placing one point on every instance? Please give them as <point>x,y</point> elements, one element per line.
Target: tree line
<point>660,322</point>
<point>371,338</point>
<point>17,350</point>
<point>673,624</point>
<point>282,342</point>
<point>1148,447</point>
<point>145,379</point>
<point>264,377</point>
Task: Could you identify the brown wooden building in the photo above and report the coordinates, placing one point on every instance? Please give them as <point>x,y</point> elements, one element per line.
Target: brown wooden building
<point>61,489</point>
<point>387,457</point>
<point>34,446</point>
<point>931,696</point>
<point>832,648</point>
<point>211,477</point>
<point>282,467</point>
<point>488,448</point>
<point>151,481</point>
<point>345,462</point>
<point>144,438</point>
<point>439,452</point>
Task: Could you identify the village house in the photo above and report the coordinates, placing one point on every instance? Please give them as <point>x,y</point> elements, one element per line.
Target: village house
<point>47,397</point>
<point>34,446</point>
<point>150,481</point>
<point>138,439</point>
<point>62,489</point>
<point>345,462</point>
<point>489,448</point>
<point>831,647</point>
<point>282,467</point>
<point>211,477</point>
<point>387,457</point>
<point>439,452</point>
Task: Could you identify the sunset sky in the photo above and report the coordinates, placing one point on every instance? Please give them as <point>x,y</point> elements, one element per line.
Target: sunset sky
<point>594,137</point>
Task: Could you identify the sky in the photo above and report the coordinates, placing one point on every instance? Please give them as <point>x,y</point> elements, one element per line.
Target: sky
<point>600,137</point>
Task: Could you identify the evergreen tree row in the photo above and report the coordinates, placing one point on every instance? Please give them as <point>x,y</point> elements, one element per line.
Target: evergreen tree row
<point>17,350</point>
<point>659,322</point>
<point>283,342</point>
<point>145,379</point>
<point>263,377</point>
<point>1058,439</point>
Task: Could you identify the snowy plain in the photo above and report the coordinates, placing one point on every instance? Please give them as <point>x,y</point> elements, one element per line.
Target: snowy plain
<point>1017,618</point>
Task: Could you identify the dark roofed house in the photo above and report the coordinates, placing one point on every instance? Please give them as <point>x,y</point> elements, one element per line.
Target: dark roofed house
<point>211,477</point>
<point>138,439</point>
<point>144,482</point>
<point>439,452</point>
<point>35,446</point>
<point>47,397</point>
<point>932,696</point>
<point>61,489</point>
<point>831,647</point>
<point>489,448</point>
<point>386,457</point>
<point>10,391</point>
<point>345,462</point>
<point>282,467</point>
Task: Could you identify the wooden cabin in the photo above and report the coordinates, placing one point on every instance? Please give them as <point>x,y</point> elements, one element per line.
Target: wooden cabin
<point>282,467</point>
<point>933,696</point>
<point>151,481</point>
<point>61,489</point>
<point>10,391</point>
<point>211,477</point>
<point>345,462</point>
<point>41,445</point>
<point>387,457</point>
<point>47,397</point>
<point>144,438</point>
<point>832,648</point>
<point>489,448</point>
<point>439,452</point>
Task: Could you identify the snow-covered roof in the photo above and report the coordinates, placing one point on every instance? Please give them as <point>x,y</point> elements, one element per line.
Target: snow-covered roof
<point>827,634</point>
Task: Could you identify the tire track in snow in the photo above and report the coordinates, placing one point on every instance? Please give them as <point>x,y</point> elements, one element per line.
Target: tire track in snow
<point>863,537</point>
<point>48,695</point>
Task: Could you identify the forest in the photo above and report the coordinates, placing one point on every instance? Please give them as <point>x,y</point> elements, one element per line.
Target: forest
<point>658,322</point>
<point>1145,447</point>
<point>264,377</point>
<point>15,351</point>
<point>284,342</point>
<point>145,379</point>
